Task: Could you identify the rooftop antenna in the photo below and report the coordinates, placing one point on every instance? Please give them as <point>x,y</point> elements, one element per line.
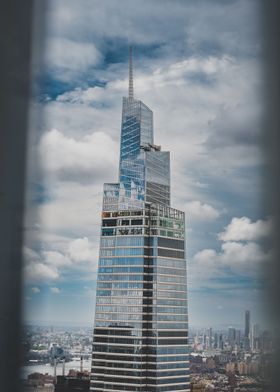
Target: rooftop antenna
<point>130,86</point>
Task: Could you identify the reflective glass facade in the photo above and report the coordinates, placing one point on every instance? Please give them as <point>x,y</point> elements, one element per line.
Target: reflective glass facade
<point>140,338</point>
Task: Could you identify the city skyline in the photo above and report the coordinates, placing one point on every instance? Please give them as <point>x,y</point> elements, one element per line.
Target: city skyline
<point>207,80</point>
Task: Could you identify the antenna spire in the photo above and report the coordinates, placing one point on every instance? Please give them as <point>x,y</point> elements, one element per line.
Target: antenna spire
<point>130,86</point>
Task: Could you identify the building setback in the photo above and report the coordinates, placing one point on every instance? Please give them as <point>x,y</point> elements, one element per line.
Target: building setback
<point>140,340</point>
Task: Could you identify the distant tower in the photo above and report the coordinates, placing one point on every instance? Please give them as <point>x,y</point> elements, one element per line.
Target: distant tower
<point>210,337</point>
<point>204,340</point>
<point>256,337</point>
<point>221,342</point>
<point>216,340</point>
<point>238,338</point>
<point>247,331</point>
<point>231,336</point>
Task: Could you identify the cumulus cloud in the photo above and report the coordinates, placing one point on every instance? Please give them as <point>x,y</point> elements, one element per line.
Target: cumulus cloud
<point>244,259</point>
<point>243,229</point>
<point>35,269</point>
<point>239,254</point>
<point>82,160</point>
<point>35,290</point>
<point>88,96</point>
<point>179,23</point>
<point>49,265</point>
<point>68,58</point>
<point>30,254</point>
<point>192,68</point>
<point>197,210</point>
<point>39,272</point>
<point>81,250</point>
<point>54,258</point>
<point>73,212</point>
<point>55,290</point>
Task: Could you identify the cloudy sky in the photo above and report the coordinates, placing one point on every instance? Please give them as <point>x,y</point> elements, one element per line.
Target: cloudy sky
<point>197,66</point>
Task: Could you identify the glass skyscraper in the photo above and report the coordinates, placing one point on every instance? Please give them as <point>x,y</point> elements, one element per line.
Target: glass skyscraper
<point>247,331</point>
<point>140,338</point>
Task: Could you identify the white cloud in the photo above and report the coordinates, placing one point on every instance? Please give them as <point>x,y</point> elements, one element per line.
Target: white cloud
<point>186,71</point>
<point>49,265</point>
<point>82,160</point>
<point>203,266</point>
<point>239,254</point>
<point>234,257</point>
<point>81,250</point>
<point>35,290</point>
<point>30,254</point>
<point>39,272</point>
<point>54,258</point>
<point>177,24</point>
<point>242,257</point>
<point>55,290</point>
<point>202,211</point>
<point>83,96</point>
<point>73,212</point>
<point>68,58</point>
<point>243,229</point>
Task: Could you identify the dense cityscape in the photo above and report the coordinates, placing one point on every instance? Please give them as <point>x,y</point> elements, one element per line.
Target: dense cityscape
<point>232,359</point>
<point>220,360</point>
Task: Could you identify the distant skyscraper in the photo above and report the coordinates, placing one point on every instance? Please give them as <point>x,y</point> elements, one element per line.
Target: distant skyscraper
<point>247,330</point>
<point>204,340</point>
<point>140,338</point>
<point>216,340</point>
<point>238,338</point>
<point>231,336</point>
<point>210,336</point>
<point>256,337</point>
<point>221,342</point>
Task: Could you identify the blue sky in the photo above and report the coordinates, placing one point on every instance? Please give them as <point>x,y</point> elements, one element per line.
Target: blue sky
<point>197,66</point>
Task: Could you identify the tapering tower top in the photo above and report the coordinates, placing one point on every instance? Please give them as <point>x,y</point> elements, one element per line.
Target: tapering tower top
<point>130,86</point>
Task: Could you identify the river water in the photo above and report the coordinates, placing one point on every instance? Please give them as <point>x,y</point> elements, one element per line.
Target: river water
<point>48,368</point>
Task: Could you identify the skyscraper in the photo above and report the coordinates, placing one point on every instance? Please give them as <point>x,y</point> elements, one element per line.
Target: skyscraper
<point>231,336</point>
<point>216,339</point>
<point>238,337</point>
<point>255,337</point>
<point>247,331</point>
<point>140,340</point>
<point>210,337</point>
